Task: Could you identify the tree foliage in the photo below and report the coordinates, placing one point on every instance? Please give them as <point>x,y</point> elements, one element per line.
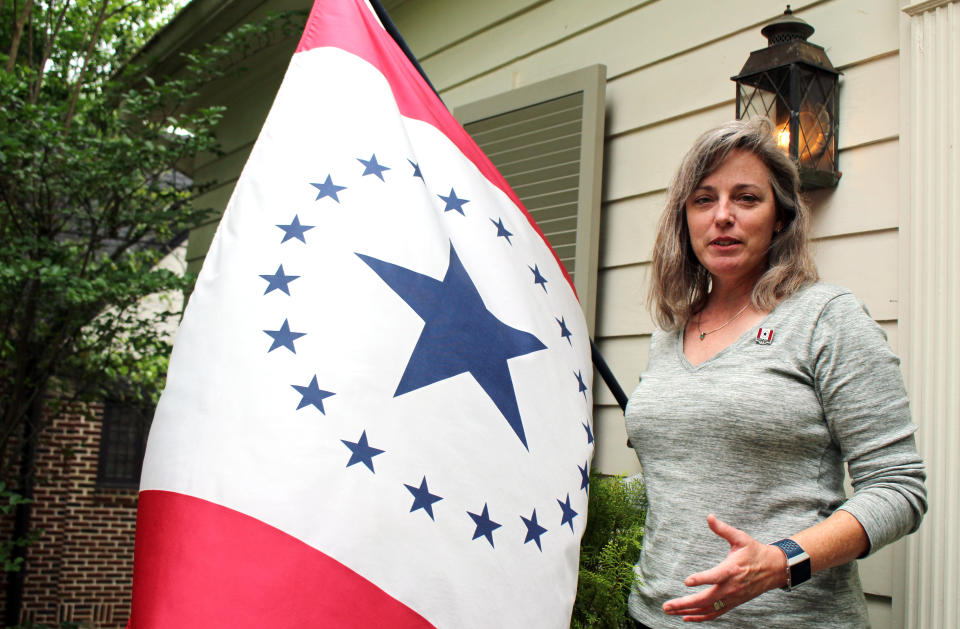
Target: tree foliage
<point>89,200</point>
<point>609,550</point>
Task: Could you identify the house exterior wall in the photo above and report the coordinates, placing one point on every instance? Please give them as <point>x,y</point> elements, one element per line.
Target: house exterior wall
<point>80,567</point>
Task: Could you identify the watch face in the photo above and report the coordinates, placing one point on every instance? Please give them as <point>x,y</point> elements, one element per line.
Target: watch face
<point>800,572</point>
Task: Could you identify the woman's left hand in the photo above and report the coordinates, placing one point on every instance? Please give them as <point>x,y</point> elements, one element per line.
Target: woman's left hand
<point>749,570</point>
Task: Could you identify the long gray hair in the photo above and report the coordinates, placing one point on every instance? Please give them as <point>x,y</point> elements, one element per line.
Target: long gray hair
<point>680,284</point>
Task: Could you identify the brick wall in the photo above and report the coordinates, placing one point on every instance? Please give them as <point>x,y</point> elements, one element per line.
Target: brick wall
<point>81,567</point>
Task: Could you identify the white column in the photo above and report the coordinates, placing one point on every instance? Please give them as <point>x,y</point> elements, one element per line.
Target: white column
<point>930,300</point>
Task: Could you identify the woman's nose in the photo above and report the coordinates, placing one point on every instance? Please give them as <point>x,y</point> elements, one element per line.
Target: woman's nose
<point>723,214</point>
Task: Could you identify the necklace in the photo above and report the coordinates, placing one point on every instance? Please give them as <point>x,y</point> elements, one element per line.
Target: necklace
<point>729,321</point>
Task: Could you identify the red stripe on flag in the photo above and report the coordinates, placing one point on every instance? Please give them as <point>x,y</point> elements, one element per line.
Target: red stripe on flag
<point>200,565</point>
<point>349,25</point>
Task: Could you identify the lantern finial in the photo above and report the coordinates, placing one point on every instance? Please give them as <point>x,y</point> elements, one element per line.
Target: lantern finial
<point>786,28</point>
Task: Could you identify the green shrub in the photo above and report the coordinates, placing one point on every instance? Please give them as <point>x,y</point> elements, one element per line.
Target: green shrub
<point>609,550</point>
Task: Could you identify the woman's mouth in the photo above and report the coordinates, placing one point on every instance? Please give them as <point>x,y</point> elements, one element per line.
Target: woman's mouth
<point>724,242</point>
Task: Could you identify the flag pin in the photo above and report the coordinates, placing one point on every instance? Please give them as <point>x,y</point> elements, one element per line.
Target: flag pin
<point>764,336</point>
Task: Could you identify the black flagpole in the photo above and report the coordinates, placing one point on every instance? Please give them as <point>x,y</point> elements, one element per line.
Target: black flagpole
<point>602,368</point>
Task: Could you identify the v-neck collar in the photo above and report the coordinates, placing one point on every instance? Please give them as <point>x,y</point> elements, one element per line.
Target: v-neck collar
<point>747,335</point>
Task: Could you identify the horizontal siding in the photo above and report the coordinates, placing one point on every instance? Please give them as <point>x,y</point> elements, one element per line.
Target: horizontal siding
<point>431,26</point>
<point>641,36</point>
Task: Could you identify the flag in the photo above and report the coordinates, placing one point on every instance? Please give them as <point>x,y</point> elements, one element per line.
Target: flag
<point>378,407</point>
<point>764,336</point>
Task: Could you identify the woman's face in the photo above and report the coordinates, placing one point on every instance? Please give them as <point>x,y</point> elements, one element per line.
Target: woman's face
<point>731,216</point>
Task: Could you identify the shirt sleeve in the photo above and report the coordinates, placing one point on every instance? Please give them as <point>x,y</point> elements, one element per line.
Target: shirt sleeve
<point>865,405</point>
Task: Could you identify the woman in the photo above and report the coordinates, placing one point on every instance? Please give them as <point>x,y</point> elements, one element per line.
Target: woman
<point>761,384</point>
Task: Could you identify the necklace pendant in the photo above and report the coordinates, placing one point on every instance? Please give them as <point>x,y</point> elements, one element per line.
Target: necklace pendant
<point>702,335</point>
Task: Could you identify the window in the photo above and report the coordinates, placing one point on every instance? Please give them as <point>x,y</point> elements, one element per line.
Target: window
<point>546,139</point>
<point>123,439</point>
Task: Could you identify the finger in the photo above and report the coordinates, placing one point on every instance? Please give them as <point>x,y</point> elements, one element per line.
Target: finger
<point>717,574</point>
<point>704,598</point>
<point>733,535</point>
<point>703,617</point>
<point>710,612</point>
<point>695,611</point>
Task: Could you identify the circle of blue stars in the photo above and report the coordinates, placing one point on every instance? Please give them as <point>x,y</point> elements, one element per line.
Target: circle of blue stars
<point>483,345</point>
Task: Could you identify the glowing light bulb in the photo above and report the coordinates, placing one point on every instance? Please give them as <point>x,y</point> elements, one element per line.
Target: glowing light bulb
<point>783,136</point>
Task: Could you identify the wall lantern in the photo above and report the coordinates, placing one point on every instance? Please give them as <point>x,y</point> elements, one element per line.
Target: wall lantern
<point>793,84</point>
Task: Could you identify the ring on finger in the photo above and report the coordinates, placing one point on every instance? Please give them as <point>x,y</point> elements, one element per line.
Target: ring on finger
<point>718,605</point>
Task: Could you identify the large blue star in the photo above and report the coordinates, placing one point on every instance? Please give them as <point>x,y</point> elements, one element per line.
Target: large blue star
<point>564,332</point>
<point>484,525</point>
<point>416,168</point>
<point>422,498</point>
<point>284,337</point>
<point>581,387</point>
<point>279,281</point>
<point>311,395</point>
<point>294,230</point>
<point>584,475</point>
<point>361,452</point>
<point>501,230</point>
<point>586,427</point>
<point>453,203</point>
<point>328,189</point>
<point>534,530</point>
<point>537,277</point>
<point>373,167</point>
<point>568,513</point>
<point>459,335</point>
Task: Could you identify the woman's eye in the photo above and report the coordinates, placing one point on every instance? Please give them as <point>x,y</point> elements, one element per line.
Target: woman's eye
<point>749,198</point>
<point>701,200</point>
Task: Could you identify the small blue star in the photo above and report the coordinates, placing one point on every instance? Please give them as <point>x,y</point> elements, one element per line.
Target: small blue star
<point>279,281</point>
<point>284,337</point>
<point>361,452</point>
<point>568,513</point>
<point>294,230</point>
<point>537,278</point>
<point>564,332</point>
<point>584,475</point>
<point>416,168</point>
<point>582,388</point>
<point>312,395</point>
<point>328,189</point>
<point>586,427</point>
<point>534,530</point>
<point>372,167</point>
<point>501,230</point>
<point>485,526</point>
<point>422,498</point>
<point>453,203</point>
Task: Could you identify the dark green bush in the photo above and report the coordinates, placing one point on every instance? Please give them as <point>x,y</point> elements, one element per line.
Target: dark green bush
<point>609,550</point>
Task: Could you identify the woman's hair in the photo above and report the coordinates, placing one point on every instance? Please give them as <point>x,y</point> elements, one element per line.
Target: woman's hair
<point>680,284</point>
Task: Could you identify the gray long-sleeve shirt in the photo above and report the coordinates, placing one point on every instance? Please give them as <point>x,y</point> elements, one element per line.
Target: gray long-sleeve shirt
<point>758,434</point>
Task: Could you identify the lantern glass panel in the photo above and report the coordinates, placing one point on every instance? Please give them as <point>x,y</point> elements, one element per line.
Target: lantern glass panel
<point>816,120</point>
<point>757,102</point>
